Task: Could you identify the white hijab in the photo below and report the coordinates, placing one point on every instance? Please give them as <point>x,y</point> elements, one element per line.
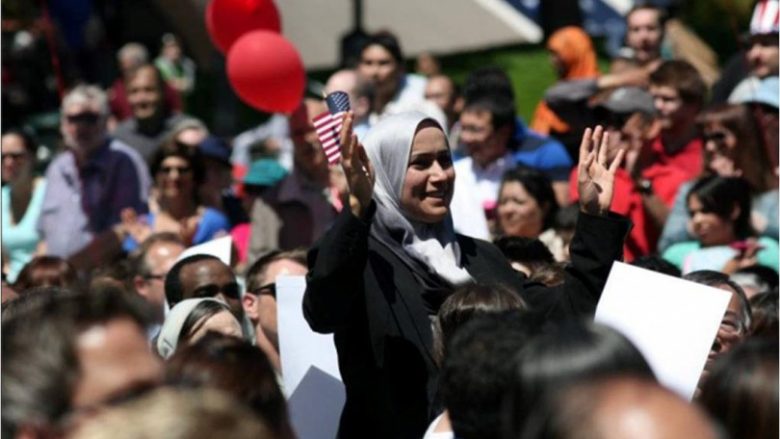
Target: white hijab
<point>388,145</point>
<point>168,340</point>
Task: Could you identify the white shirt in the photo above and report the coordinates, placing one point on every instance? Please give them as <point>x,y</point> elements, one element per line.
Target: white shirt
<point>476,188</point>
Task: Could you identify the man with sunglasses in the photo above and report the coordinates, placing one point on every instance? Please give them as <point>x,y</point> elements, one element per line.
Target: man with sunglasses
<point>89,184</point>
<point>259,300</point>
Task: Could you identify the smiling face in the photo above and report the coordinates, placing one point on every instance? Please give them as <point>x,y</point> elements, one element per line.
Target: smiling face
<point>175,177</point>
<point>709,228</point>
<point>144,93</point>
<point>483,142</point>
<point>430,177</point>
<point>519,214</point>
<point>763,56</point>
<point>644,34</point>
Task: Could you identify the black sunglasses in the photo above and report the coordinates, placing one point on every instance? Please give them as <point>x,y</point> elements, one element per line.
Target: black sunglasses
<point>269,289</point>
<point>85,118</point>
<point>231,290</point>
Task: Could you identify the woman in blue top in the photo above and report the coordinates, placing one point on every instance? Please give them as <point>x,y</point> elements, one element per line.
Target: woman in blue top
<point>719,211</point>
<point>22,196</point>
<point>178,171</point>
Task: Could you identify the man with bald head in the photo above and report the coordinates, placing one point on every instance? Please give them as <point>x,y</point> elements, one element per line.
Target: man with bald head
<point>300,208</point>
<point>441,90</point>
<point>618,408</point>
<point>361,97</point>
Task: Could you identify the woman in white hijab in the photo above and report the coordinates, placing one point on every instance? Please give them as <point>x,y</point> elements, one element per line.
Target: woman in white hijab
<point>191,319</point>
<point>379,275</point>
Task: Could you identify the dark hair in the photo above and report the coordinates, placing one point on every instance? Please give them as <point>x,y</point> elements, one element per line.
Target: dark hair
<point>490,89</point>
<point>175,149</point>
<point>549,275</point>
<point>764,277</point>
<point>28,139</point>
<point>572,352</point>
<point>478,368</point>
<point>40,363</point>
<point>684,78</point>
<point>117,274</point>
<point>468,302</point>
<point>46,271</point>
<point>235,367</point>
<point>715,279</point>
<point>566,217</point>
<point>527,251</point>
<point>741,391</point>
<point>720,195</point>
<point>491,80</point>
<point>388,41</point>
<point>538,186</point>
<point>657,264</point>
<point>261,264</point>
<point>174,290</point>
<point>198,316</point>
<point>750,155</point>
<point>764,307</point>
<point>141,268</point>
<point>662,15</point>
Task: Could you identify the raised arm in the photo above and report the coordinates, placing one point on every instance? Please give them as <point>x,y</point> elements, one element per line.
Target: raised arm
<point>338,260</point>
<point>598,237</point>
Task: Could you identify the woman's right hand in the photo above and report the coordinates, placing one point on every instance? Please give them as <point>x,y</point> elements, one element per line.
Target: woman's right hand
<point>357,168</point>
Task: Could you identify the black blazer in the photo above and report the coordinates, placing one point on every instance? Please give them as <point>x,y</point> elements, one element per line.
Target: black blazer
<point>370,300</point>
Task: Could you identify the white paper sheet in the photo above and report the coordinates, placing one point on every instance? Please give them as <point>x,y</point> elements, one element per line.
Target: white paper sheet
<point>673,322</point>
<point>220,248</point>
<point>312,382</point>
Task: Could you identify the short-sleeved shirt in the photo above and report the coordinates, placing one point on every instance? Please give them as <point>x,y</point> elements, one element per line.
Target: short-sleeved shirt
<point>82,202</point>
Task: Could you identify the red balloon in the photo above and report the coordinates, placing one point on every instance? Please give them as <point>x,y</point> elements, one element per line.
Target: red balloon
<point>266,71</point>
<point>228,20</point>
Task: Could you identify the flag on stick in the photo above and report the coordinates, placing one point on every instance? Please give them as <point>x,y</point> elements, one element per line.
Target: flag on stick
<point>328,125</point>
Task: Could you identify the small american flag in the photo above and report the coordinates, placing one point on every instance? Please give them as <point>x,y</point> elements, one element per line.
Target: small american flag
<point>328,125</point>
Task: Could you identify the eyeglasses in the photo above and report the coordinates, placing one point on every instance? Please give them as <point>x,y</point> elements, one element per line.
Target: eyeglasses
<point>269,289</point>
<point>231,290</point>
<point>179,169</point>
<point>88,118</point>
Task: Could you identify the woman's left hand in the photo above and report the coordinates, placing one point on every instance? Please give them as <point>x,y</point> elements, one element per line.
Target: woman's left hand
<point>596,177</point>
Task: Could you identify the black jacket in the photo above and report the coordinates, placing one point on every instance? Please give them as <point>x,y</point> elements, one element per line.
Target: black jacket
<point>370,300</point>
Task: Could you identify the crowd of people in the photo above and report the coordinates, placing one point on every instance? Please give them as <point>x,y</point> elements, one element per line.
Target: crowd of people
<point>457,253</point>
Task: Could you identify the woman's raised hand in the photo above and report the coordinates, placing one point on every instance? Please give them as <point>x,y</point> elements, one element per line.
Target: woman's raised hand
<point>596,177</point>
<point>357,168</point>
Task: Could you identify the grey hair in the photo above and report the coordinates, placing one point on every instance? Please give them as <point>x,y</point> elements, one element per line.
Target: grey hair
<point>90,94</point>
<point>135,51</point>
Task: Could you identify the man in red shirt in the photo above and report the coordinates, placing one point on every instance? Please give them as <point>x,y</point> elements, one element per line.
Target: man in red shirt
<point>643,194</point>
<point>678,94</point>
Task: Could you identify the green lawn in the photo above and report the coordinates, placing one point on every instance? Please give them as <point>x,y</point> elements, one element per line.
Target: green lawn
<point>528,66</point>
